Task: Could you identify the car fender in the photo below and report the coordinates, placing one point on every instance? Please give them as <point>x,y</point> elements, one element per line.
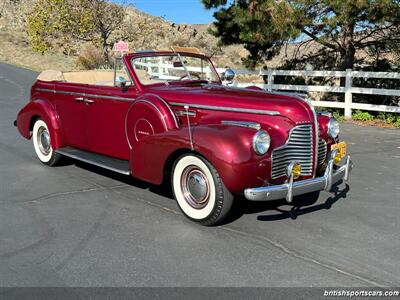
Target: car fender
<point>230,151</point>
<point>44,110</point>
<point>148,116</point>
<point>228,148</point>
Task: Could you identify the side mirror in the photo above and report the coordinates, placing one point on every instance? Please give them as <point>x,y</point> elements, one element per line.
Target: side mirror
<point>120,82</point>
<point>228,75</point>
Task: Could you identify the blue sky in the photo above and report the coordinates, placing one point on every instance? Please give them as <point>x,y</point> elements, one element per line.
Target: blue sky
<point>178,11</point>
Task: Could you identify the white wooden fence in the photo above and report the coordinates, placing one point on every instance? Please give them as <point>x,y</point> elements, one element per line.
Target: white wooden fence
<point>348,89</point>
<point>161,70</point>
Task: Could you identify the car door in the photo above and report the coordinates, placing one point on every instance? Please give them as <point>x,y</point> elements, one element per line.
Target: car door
<point>108,106</point>
<point>72,113</point>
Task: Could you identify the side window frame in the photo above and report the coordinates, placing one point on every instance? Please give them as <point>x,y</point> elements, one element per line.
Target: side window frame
<point>129,79</point>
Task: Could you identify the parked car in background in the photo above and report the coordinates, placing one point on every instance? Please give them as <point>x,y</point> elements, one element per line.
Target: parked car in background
<point>166,116</point>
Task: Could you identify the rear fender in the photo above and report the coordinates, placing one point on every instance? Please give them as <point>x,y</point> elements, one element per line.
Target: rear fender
<point>43,109</point>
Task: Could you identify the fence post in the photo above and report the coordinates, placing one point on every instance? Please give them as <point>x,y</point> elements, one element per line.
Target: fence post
<point>348,96</point>
<point>270,80</point>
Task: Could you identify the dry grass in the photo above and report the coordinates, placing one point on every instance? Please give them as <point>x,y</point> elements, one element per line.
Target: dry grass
<point>15,50</point>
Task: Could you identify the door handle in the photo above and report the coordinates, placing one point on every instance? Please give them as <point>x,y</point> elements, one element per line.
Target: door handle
<point>80,99</point>
<point>88,101</point>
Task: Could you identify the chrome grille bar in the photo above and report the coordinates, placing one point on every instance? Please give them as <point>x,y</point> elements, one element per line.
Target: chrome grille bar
<point>322,151</point>
<point>299,147</point>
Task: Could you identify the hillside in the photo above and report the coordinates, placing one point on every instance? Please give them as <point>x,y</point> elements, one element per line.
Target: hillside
<point>156,33</point>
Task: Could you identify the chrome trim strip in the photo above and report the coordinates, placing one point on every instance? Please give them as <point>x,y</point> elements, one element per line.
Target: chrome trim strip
<point>252,125</point>
<point>295,95</point>
<point>183,113</point>
<point>110,97</point>
<point>231,109</point>
<point>316,139</point>
<point>93,163</point>
<point>86,95</point>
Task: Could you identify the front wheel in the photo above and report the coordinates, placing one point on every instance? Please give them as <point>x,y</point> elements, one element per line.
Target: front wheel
<point>42,144</point>
<point>199,190</point>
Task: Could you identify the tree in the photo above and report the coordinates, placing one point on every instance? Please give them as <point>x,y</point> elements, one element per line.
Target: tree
<point>83,20</point>
<point>339,28</point>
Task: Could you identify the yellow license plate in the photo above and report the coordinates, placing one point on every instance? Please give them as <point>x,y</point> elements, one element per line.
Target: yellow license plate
<point>341,148</point>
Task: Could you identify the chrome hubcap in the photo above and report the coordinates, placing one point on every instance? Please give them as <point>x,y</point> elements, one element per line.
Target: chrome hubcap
<point>43,139</point>
<point>195,187</point>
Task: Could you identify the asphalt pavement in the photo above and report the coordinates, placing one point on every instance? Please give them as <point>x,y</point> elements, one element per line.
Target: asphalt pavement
<point>78,225</point>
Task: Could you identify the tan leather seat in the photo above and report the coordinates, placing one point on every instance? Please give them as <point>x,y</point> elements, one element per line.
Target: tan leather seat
<point>145,77</point>
<point>85,77</point>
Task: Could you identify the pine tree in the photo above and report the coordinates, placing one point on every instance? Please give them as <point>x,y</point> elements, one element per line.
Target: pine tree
<point>339,27</point>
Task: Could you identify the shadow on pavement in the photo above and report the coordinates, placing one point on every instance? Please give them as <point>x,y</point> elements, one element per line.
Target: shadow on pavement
<point>163,190</point>
<point>301,205</point>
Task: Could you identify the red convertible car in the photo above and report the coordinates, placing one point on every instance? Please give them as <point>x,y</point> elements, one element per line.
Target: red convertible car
<point>167,116</point>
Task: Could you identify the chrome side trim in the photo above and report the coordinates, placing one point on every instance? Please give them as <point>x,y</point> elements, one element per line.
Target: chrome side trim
<point>94,163</point>
<point>86,95</point>
<point>242,124</point>
<point>296,95</point>
<point>231,109</point>
<point>183,113</point>
<point>110,97</point>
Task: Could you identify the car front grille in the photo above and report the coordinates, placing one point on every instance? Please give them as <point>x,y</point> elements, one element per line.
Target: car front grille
<point>322,150</point>
<point>299,148</point>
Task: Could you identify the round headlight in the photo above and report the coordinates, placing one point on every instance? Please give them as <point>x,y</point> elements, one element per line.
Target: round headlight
<point>261,142</point>
<point>333,128</point>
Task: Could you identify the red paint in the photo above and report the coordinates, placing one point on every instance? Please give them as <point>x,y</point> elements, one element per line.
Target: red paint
<point>145,130</point>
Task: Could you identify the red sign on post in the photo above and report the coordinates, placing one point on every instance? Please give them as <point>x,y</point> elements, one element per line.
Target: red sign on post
<point>121,46</point>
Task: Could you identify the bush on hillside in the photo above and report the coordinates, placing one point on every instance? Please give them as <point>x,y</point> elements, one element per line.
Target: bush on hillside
<point>91,58</point>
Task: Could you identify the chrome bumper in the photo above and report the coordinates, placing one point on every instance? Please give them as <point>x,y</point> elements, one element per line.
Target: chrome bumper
<point>294,188</point>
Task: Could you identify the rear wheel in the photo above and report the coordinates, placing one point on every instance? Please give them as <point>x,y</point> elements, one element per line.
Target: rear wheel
<point>42,144</point>
<point>199,190</point>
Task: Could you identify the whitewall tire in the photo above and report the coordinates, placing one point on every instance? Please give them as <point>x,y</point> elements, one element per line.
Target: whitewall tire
<point>42,144</point>
<point>199,191</point>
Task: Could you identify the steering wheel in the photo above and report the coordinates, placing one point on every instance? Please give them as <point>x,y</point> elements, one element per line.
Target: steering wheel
<point>192,75</point>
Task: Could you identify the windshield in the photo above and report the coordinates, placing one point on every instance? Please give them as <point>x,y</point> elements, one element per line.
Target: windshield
<point>173,67</point>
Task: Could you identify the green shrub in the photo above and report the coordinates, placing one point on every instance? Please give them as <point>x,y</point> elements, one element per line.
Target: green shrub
<point>397,123</point>
<point>362,116</point>
<point>338,116</point>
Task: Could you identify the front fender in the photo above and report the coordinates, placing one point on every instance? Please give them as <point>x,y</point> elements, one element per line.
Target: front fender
<point>43,109</point>
<point>230,150</point>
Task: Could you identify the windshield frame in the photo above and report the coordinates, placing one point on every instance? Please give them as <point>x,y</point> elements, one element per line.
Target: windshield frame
<point>180,56</point>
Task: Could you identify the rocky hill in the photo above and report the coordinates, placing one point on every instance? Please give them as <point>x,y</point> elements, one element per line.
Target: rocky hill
<point>159,33</point>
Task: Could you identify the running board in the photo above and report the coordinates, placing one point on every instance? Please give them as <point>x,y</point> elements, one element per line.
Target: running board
<point>106,162</point>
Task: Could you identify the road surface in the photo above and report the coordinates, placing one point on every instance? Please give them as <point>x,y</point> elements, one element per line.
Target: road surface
<point>78,225</point>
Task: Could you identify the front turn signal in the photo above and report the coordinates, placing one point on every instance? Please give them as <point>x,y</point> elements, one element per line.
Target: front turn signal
<point>294,169</point>
<point>337,159</point>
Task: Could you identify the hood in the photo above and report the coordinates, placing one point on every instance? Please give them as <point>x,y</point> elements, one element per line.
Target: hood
<point>291,107</point>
